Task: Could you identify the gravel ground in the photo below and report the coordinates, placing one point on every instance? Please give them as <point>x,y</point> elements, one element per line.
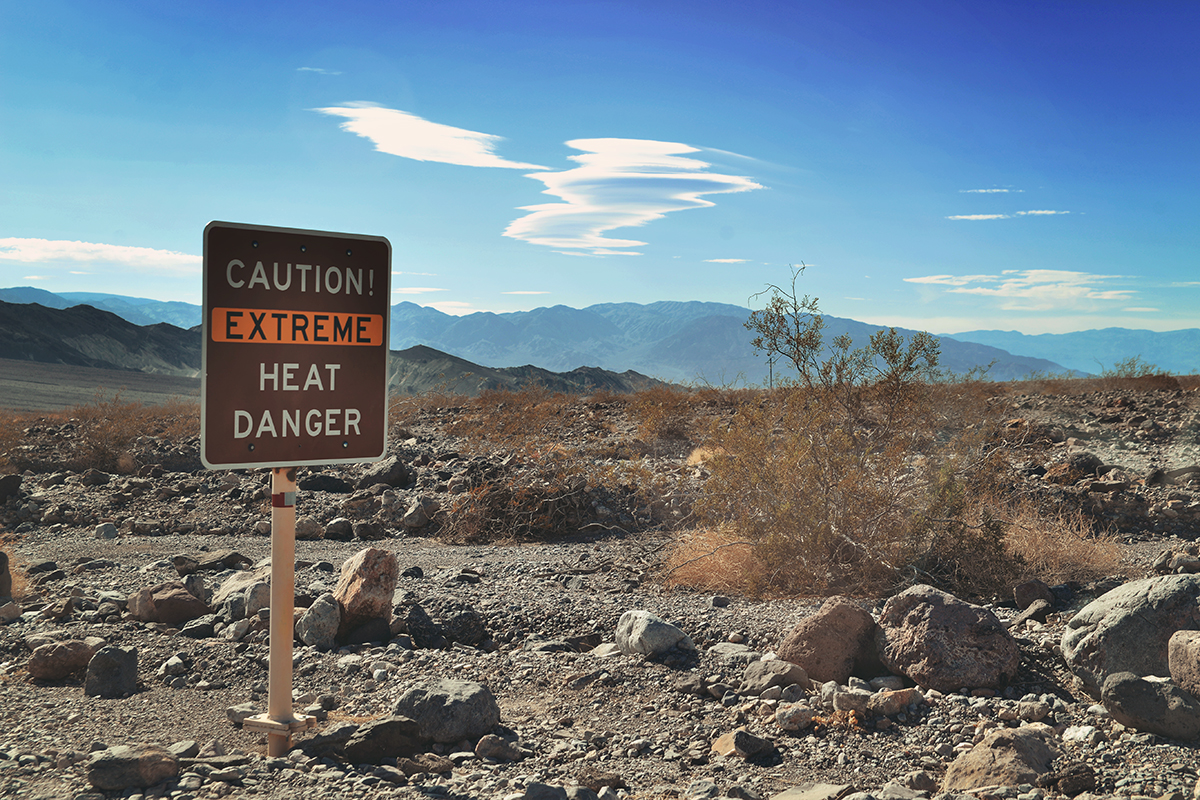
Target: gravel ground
<point>581,716</point>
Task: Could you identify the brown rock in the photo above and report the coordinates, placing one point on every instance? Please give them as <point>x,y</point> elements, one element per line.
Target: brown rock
<point>425,762</point>
<point>5,576</point>
<point>833,644</point>
<point>740,742</point>
<point>57,660</point>
<point>169,602</point>
<point>1006,757</point>
<point>944,643</point>
<point>366,587</point>
<point>123,767</point>
<point>888,704</point>
<point>1026,593</point>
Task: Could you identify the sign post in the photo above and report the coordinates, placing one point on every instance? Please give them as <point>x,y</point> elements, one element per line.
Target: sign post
<point>295,348</point>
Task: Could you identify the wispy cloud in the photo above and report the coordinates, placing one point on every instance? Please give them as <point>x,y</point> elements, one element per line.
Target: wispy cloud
<point>402,134</point>
<point>48,251</point>
<point>1040,213</point>
<point>1008,216</point>
<point>1036,289</point>
<point>989,191</point>
<point>726,260</point>
<point>414,290</point>
<point>318,70</point>
<point>1141,310</point>
<point>980,216</point>
<point>620,183</point>
<point>421,274</point>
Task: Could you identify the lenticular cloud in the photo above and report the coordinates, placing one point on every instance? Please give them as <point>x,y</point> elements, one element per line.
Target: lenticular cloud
<point>619,183</point>
<point>399,133</point>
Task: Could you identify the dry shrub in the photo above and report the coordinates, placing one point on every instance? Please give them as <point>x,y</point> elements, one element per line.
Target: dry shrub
<point>550,505</point>
<point>110,426</point>
<point>714,560</point>
<point>1060,547</point>
<point>12,427</point>
<point>663,412</point>
<point>523,418</point>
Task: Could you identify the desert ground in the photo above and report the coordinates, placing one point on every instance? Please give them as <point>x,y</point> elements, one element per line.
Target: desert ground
<point>574,718</point>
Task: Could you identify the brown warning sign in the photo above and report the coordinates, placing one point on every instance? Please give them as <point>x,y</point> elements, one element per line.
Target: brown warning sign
<point>295,346</point>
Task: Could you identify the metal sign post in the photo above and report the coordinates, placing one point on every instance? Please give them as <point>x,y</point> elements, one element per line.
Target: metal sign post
<point>295,350</point>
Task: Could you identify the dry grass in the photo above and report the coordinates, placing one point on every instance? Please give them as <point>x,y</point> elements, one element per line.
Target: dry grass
<point>664,412</point>
<point>714,560</point>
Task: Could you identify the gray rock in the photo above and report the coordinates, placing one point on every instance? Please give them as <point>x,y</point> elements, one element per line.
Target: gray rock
<point>1154,705</point>
<point>106,530</point>
<point>420,513</point>
<point>390,737</point>
<point>258,597</point>
<point>644,633</point>
<point>543,791</point>
<point>1129,629</point>
<point>391,471</point>
<point>318,625</point>
<point>450,710</point>
<point>119,768</point>
<point>498,749</point>
<point>309,529</point>
<point>238,714</point>
<point>762,675</point>
<point>112,672</point>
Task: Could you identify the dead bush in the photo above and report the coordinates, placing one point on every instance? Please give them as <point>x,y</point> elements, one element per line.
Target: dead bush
<point>505,511</point>
<point>715,560</point>
<point>663,412</point>
<point>110,426</point>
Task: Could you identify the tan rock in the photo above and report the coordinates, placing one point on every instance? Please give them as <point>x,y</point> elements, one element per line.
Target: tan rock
<point>833,644</point>
<point>366,587</point>
<point>1005,757</point>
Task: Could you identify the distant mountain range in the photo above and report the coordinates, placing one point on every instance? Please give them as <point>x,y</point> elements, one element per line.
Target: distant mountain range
<point>678,341</point>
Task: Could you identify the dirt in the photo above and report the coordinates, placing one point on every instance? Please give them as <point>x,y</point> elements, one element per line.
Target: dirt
<point>577,714</point>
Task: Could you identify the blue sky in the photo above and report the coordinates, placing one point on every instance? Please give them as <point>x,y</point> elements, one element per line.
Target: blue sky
<point>938,165</point>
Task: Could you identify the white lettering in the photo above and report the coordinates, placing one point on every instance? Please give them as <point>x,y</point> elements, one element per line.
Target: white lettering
<point>240,418</point>
<point>314,378</point>
<point>314,429</point>
<point>333,272</point>
<point>259,276</point>
<point>291,421</point>
<point>229,274</point>
<point>333,368</point>
<point>352,418</point>
<point>304,268</point>
<point>265,425</point>
<point>351,280</point>
<point>289,384</point>
<point>331,420</point>
<point>283,286</point>
<point>263,376</point>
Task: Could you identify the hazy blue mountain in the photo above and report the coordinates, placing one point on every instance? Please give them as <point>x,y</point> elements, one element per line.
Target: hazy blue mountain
<point>670,340</point>
<point>1096,350</point>
<point>29,294</point>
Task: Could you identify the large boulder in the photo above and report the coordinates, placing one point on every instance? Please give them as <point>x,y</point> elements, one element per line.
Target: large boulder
<point>1129,629</point>
<point>1154,705</point>
<point>123,767</point>
<point>56,660</point>
<point>944,643</point>
<point>449,711</point>
<point>390,737</point>
<point>168,602</point>
<point>835,643</point>
<point>391,471</point>
<point>112,672</point>
<point>319,623</point>
<point>1183,660</point>
<point>366,587</point>
<point>644,633</point>
<point>1005,757</point>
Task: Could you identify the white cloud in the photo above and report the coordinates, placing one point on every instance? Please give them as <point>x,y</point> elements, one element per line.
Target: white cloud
<point>1040,213</point>
<point>726,260</point>
<point>402,134</point>
<point>620,183</point>
<point>980,216</point>
<point>1142,310</point>
<point>1036,289</point>
<point>318,70</point>
<point>950,280</point>
<point>988,191</point>
<point>422,274</point>
<point>524,292</point>
<point>455,308</point>
<point>414,290</point>
<point>47,251</point>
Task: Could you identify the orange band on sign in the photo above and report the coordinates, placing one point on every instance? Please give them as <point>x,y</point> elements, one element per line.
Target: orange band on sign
<point>276,326</point>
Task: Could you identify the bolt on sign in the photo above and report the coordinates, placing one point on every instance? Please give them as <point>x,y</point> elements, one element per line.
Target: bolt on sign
<point>295,347</point>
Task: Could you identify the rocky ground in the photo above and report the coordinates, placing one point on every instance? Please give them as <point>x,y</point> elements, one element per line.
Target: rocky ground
<point>571,714</point>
